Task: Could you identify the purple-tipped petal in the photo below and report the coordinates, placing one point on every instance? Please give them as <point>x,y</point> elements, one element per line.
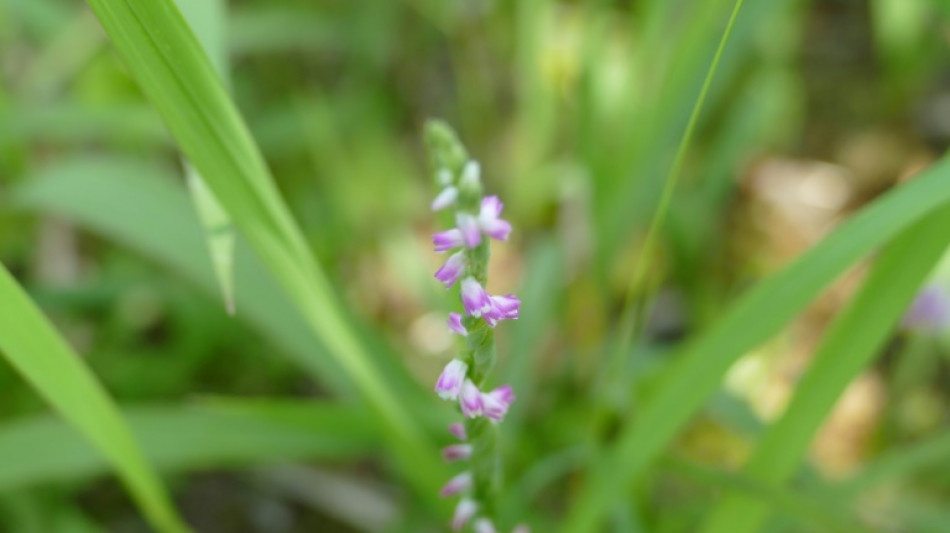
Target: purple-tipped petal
<point>452,270</point>
<point>464,512</point>
<point>470,399</point>
<point>497,229</point>
<point>507,306</point>
<point>455,324</point>
<point>502,308</point>
<point>457,484</point>
<point>451,380</point>
<point>484,525</point>
<point>495,403</point>
<point>457,429</point>
<point>445,198</point>
<point>504,393</point>
<point>457,452</point>
<point>448,239</point>
<point>489,221</point>
<point>474,298</point>
<point>471,232</point>
<point>490,208</point>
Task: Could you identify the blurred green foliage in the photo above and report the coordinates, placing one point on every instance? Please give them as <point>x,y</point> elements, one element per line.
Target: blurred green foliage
<point>575,109</point>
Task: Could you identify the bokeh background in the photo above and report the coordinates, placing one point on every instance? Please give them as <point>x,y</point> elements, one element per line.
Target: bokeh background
<point>574,109</point>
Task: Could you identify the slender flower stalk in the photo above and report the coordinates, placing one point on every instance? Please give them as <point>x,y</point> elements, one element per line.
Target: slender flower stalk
<point>477,221</point>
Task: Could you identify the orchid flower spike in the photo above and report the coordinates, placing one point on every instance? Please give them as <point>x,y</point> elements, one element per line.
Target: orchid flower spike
<point>477,221</point>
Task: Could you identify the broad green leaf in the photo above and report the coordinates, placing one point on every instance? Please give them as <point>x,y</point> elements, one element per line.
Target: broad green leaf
<point>39,353</point>
<point>207,19</point>
<point>856,336</point>
<point>756,316</point>
<point>210,434</point>
<point>168,63</point>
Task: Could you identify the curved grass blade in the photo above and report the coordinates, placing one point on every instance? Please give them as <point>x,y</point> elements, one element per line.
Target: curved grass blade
<point>212,434</point>
<point>37,351</point>
<point>632,315</point>
<point>853,340</point>
<point>759,314</point>
<point>207,21</point>
<point>168,63</point>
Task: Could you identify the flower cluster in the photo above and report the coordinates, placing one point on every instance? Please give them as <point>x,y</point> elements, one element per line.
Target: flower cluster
<point>477,220</point>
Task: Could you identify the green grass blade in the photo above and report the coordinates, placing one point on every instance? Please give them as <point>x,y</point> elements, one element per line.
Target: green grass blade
<point>167,61</point>
<point>211,434</point>
<point>207,20</point>
<point>630,317</point>
<point>37,351</point>
<point>854,339</point>
<point>218,232</point>
<point>758,315</point>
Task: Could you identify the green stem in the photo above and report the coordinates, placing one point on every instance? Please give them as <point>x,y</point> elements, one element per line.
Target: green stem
<point>638,294</point>
<point>631,320</point>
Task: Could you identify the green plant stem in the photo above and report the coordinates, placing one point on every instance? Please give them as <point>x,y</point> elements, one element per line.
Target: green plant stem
<point>638,295</point>
<point>633,315</point>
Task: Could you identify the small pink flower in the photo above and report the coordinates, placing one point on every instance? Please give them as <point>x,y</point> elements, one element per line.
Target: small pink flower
<point>502,308</point>
<point>448,239</point>
<point>474,298</point>
<point>451,379</point>
<point>452,270</point>
<point>484,525</point>
<point>489,221</point>
<point>464,512</point>
<point>455,324</point>
<point>471,232</point>
<point>458,430</point>
<point>457,484</point>
<point>470,399</point>
<point>457,452</point>
<point>495,403</point>
<point>445,198</point>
